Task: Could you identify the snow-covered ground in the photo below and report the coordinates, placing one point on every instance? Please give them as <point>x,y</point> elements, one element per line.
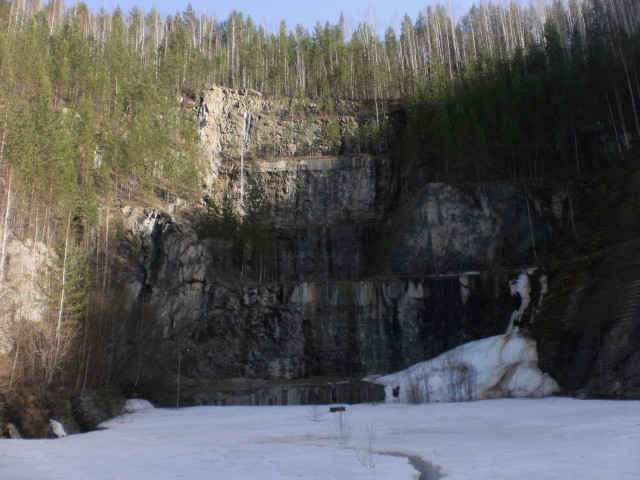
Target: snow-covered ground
<point>548,438</point>
<point>500,439</point>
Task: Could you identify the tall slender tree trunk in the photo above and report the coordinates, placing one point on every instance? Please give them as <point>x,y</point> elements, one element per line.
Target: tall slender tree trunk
<point>533,241</point>
<point>81,358</point>
<point>613,122</point>
<point>575,147</point>
<point>86,371</point>
<point>621,115</point>
<point>5,228</point>
<point>575,232</point>
<point>631,95</point>
<point>105,270</point>
<point>4,137</point>
<point>61,303</point>
<point>15,363</point>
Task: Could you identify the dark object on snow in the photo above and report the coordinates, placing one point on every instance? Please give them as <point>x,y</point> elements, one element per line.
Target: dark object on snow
<point>336,409</point>
<point>396,391</point>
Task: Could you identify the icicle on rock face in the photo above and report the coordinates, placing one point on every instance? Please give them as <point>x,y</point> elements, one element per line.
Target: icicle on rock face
<point>522,287</point>
<point>531,294</point>
<point>466,285</point>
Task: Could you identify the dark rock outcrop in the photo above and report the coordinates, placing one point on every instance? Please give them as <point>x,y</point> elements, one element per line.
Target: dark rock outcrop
<point>366,283</point>
<point>29,412</point>
<point>588,328</point>
<point>451,228</point>
<point>323,319</point>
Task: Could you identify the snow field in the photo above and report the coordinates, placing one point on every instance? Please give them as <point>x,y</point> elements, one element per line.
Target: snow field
<point>523,439</point>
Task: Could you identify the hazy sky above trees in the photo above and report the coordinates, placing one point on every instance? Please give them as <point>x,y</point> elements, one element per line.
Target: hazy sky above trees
<point>308,12</point>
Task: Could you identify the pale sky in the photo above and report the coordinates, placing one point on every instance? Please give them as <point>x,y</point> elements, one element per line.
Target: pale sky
<point>307,12</point>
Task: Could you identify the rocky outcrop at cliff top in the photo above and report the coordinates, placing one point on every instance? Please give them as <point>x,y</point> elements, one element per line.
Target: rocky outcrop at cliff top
<point>233,122</point>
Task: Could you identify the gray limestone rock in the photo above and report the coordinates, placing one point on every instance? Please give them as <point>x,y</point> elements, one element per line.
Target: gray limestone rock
<point>21,296</point>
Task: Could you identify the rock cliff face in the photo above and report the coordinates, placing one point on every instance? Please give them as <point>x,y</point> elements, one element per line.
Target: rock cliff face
<point>588,328</point>
<point>326,212</point>
<point>21,298</point>
<point>246,123</point>
<point>318,328</point>
<point>288,331</point>
<point>365,282</point>
<point>362,287</point>
<point>223,329</point>
<point>453,229</point>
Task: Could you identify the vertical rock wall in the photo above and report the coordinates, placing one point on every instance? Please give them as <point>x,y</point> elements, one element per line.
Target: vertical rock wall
<point>322,319</point>
<point>588,329</point>
<point>363,286</point>
<point>21,296</point>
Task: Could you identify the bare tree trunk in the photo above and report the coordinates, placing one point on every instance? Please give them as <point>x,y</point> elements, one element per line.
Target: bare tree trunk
<point>61,305</point>
<point>140,323</point>
<point>4,136</point>
<point>84,349</point>
<point>575,147</point>
<point>533,242</point>
<point>473,40</point>
<point>64,279</point>
<point>505,34</point>
<point>575,232</point>
<point>446,28</point>
<point>86,371</point>
<point>178,383</point>
<point>487,29</point>
<point>631,95</point>
<point>13,8</point>
<point>621,115</point>
<point>635,75</point>
<point>105,272</point>
<point>15,363</point>
<point>5,229</point>
<point>613,121</point>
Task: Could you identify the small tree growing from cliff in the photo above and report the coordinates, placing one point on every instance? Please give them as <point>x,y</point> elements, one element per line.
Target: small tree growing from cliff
<point>331,136</point>
<point>256,230</point>
<point>220,219</point>
<point>70,296</point>
<point>257,206</point>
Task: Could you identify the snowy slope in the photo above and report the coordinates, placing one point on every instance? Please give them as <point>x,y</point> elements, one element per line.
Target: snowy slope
<point>500,366</point>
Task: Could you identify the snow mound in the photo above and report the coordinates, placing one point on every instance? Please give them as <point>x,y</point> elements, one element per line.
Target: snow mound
<point>58,429</point>
<point>134,405</point>
<point>500,366</point>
